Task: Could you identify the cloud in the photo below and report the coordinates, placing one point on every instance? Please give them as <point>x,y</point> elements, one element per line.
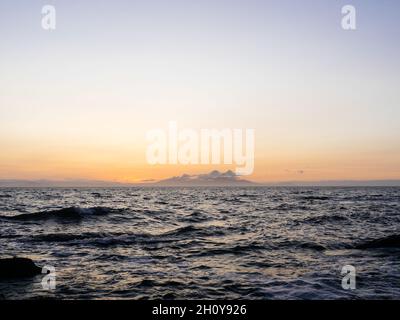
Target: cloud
<point>295,171</point>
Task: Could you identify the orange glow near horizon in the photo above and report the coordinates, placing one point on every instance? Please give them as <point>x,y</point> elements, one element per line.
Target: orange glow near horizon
<point>125,164</point>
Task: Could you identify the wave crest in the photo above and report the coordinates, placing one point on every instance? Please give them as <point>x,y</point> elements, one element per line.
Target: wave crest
<point>392,241</point>
<point>72,213</point>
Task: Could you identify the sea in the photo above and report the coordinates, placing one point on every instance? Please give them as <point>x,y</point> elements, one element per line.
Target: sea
<point>171,243</point>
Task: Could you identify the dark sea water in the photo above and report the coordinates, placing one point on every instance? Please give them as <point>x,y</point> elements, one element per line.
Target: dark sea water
<point>204,243</point>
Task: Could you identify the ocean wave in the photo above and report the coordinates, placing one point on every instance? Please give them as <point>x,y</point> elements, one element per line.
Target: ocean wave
<point>102,239</point>
<point>297,244</point>
<point>248,195</point>
<point>317,198</point>
<point>198,231</point>
<point>72,213</point>
<point>65,237</point>
<point>10,236</point>
<point>324,219</point>
<point>312,246</point>
<point>198,216</point>
<point>95,239</point>
<point>156,283</point>
<point>240,249</point>
<point>392,241</point>
<point>96,195</point>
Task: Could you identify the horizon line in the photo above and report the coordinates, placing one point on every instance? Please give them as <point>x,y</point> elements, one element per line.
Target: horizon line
<point>81,182</point>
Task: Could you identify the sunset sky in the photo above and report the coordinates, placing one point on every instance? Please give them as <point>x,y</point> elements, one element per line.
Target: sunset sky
<point>77,102</point>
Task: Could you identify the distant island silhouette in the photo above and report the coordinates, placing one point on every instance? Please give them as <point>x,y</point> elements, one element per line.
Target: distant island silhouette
<point>214,178</point>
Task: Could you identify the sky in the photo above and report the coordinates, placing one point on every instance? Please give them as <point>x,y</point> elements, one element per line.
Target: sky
<point>76,102</point>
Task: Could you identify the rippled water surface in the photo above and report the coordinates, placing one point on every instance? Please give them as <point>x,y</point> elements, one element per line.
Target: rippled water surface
<point>185,243</point>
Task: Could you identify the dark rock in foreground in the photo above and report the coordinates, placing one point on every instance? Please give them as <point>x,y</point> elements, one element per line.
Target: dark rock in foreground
<point>18,268</point>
